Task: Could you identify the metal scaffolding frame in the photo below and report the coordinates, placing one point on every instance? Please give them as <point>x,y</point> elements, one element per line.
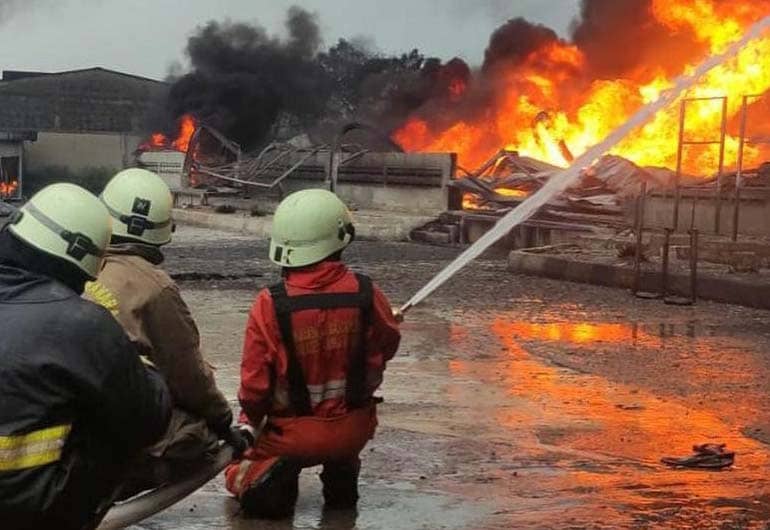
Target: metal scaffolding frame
<point>742,141</point>
<point>682,142</point>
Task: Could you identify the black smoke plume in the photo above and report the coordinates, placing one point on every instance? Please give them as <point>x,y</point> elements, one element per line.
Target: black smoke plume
<point>242,79</point>
<point>512,42</point>
<point>249,84</point>
<point>619,38</point>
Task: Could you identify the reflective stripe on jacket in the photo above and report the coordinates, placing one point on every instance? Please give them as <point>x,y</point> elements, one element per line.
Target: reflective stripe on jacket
<point>65,361</point>
<point>33,449</point>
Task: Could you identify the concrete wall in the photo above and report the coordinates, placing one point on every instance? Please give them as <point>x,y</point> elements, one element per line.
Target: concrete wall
<point>754,216</point>
<point>404,182</point>
<point>402,198</point>
<point>80,150</point>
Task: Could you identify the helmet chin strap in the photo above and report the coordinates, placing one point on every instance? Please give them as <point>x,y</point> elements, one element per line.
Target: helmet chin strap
<point>137,224</point>
<point>347,234</point>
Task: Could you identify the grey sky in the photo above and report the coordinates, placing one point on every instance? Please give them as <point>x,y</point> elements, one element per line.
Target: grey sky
<point>145,36</point>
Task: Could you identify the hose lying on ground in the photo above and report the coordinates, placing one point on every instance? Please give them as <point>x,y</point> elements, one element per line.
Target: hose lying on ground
<point>148,504</point>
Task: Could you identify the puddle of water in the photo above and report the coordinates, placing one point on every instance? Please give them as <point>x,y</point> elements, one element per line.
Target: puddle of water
<point>380,507</point>
<point>606,439</point>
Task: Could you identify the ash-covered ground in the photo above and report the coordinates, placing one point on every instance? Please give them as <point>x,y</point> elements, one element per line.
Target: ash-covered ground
<point>517,402</point>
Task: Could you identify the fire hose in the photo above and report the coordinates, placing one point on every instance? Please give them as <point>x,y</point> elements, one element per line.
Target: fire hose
<point>139,508</point>
<point>125,514</point>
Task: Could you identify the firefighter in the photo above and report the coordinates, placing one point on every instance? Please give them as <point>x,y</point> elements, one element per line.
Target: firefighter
<point>147,303</point>
<point>315,350</point>
<point>76,402</point>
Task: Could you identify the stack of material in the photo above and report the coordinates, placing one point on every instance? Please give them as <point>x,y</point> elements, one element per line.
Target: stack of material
<point>750,178</point>
<point>507,179</point>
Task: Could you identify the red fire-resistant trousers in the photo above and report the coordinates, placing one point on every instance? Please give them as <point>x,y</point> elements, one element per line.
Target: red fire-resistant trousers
<point>306,441</point>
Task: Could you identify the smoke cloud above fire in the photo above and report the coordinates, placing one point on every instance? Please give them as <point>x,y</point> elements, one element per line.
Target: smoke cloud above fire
<point>533,90</point>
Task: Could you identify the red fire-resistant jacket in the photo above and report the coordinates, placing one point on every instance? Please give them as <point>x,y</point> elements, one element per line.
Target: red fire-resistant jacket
<point>323,339</point>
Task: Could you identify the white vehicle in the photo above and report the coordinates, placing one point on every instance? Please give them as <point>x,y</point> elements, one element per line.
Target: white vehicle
<point>169,164</point>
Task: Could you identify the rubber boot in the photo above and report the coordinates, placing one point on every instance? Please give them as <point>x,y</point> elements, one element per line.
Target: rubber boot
<point>274,495</point>
<point>340,484</point>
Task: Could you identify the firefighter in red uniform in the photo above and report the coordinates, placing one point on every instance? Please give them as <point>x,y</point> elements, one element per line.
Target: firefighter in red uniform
<point>315,351</point>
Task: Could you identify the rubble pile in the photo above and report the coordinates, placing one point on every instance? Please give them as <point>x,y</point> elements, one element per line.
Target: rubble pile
<point>508,178</point>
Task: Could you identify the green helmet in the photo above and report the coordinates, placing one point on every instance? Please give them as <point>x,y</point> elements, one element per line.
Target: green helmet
<point>67,222</point>
<point>308,227</point>
<point>140,203</point>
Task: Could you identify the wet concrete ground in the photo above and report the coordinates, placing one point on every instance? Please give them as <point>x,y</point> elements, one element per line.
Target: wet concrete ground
<point>518,402</point>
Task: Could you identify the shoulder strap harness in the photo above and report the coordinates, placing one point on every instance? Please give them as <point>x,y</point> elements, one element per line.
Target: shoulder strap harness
<point>285,306</point>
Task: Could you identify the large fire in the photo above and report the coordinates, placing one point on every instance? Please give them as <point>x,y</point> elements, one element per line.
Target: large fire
<point>548,107</point>
<point>181,142</point>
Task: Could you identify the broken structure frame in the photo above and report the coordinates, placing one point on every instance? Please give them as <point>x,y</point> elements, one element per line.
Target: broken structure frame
<point>262,164</point>
<point>682,143</point>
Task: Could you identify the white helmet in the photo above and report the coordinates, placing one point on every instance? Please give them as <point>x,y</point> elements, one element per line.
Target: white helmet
<point>140,203</point>
<point>67,222</point>
<point>309,226</point>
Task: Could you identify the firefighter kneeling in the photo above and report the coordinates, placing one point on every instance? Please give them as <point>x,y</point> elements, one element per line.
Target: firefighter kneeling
<point>315,351</point>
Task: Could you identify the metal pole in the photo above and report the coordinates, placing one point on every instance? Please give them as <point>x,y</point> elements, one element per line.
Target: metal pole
<point>680,149</point>
<point>639,230</point>
<point>334,168</point>
<point>739,172</point>
<point>694,264</point>
<point>718,190</point>
<point>664,263</point>
<point>694,207</point>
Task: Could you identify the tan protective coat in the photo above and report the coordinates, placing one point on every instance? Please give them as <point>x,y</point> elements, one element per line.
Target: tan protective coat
<point>147,303</point>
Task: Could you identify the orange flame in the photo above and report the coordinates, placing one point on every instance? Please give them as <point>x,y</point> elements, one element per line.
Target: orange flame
<point>587,111</point>
<point>8,189</point>
<point>159,141</point>
<point>187,128</point>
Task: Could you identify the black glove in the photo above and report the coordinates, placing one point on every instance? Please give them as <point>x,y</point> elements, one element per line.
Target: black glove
<point>240,438</point>
<point>221,426</point>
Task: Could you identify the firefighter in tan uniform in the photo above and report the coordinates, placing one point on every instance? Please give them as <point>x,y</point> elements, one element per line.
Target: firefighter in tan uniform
<point>147,303</point>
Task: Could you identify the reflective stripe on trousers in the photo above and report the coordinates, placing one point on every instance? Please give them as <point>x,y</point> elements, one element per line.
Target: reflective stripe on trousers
<point>37,448</point>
